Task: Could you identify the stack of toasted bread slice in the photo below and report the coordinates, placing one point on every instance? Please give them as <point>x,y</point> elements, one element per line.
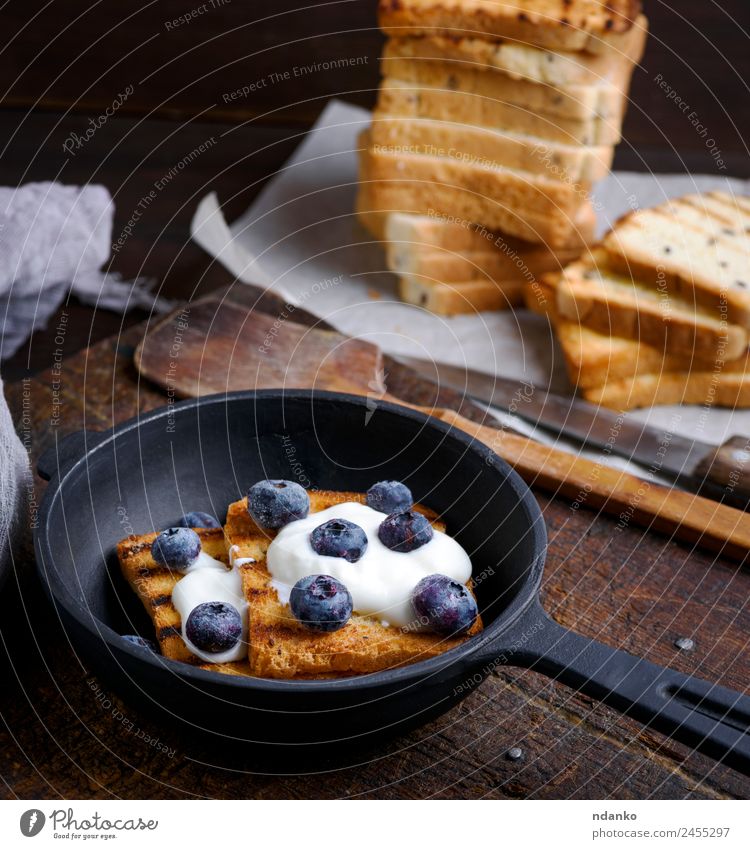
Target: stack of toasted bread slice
<point>500,116</point>
<point>278,645</point>
<point>659,313</point>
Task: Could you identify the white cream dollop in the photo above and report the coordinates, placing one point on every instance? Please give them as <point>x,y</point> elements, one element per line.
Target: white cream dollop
<point>381,582</point>
<point>207,580</point>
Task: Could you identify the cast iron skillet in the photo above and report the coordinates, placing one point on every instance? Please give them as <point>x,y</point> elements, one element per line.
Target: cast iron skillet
<point>203,454</point>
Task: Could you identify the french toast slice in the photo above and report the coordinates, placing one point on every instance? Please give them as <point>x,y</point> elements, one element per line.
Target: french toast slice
<point>154,584</point>
<point>280,647</point>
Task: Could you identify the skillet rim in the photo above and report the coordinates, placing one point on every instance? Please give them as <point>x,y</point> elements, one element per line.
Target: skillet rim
<point>59,594</point>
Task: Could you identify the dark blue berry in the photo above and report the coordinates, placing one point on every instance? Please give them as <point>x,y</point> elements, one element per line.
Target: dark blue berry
<point>445,605</point>
<point>321,603</point>
<point>339,538</point>
<point>214,626</point>
<point>176,548</point>
<point>275,503</point>
<point>389,497</point>
<point>141,642</point>
<point>196,519</point>
<point>405,531</point>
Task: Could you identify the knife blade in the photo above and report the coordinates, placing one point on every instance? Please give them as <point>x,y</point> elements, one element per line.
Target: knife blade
<point>657,450</point>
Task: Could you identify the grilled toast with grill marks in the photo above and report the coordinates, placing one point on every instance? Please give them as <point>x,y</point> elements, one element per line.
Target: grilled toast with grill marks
<point>154,584</point>
<point>280,647</point>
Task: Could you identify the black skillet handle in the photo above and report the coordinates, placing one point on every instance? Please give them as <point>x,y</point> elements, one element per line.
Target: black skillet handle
<point>58,458</point>
<point>713,720</point>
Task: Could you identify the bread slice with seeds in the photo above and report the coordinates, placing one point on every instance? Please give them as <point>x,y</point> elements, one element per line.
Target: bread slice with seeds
<point>575,102</point>
<point>410,100</point>
<point>595,358</point>
<point>683,250</point>
<point>525,62</point>
<point>626,374</point>
<point>280,647</point>
<point>468,296</point>
<point>523,205</point>
<point>398,216</point>
<point>465,143</point>
<point>579,25</point>
<point>590,293</point>
<point>711,388</point>
<point>446,266</point>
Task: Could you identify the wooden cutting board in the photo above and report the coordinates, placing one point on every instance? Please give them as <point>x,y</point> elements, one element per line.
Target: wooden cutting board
<point>238,340</point>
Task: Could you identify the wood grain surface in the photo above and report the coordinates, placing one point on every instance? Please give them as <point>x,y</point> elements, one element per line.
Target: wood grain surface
<point>637,591</point>
<point>63,736</point>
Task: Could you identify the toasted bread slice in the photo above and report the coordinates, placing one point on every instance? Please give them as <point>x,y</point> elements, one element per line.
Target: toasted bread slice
<point>515,202</point>
<point>582,25</point>
<point>593,359</point>
<point>450,266</point>
<point>400,224</point>
<point>154,584</point>
<point>684,250</point>
<point>625,374</point>
<point>709,388</point>
<point>412,100</point>
<point>525,62</point>
<point>467,296</point>
<point>591,294</point>
<point>280,647</point>
<point>468,144</point>
<point>436,233</point>
<point>573,102</point>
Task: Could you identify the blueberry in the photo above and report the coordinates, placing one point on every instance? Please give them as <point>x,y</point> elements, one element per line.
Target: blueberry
<point>389,497</point>
<point>176,548</point>
<point>339,538</point>
<point>321,603</point>
<point>214,626</point>
<point>141,642</point>
<point>273,504</point>
<point>196,519</point>
<point>405,531</point>
<point>447,606</point>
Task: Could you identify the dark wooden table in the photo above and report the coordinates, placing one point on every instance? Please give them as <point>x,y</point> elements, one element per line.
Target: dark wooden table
<point>630,589</point>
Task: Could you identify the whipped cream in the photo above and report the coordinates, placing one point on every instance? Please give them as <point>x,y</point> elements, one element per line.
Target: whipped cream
<point>207,580</point>
<point>381,582</point>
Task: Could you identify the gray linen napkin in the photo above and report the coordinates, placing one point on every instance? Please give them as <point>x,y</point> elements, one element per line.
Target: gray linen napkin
<point>54,239</point>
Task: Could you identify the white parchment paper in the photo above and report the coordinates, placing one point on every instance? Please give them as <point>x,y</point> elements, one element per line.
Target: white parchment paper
<point>301,238</point>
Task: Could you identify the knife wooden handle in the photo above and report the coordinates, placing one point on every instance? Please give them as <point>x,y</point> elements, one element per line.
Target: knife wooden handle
<point>682,515</point>
<point>728,468</point>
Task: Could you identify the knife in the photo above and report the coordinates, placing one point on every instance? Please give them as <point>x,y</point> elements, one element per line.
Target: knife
<point>722,473</point>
